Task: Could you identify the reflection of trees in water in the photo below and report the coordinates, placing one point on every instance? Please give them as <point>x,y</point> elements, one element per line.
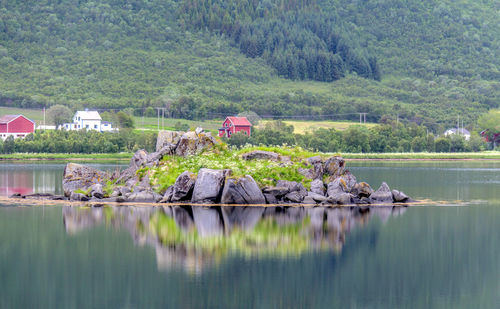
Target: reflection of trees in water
<point>194,236</point>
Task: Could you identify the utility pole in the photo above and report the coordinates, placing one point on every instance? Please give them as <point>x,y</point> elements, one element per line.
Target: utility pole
<point>158,109</point>
<point>44,124</point>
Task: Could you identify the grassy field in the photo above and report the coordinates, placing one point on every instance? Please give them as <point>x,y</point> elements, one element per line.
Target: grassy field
<point>485,155</point>
<point>34,114</point>
<point>151,123</point>
<point>65,156</point>
<point>302,126</point>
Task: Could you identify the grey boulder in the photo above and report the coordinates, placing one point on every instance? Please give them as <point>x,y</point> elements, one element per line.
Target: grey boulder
<point>277,192</point>
<point>153,159</point>
<point>242,191</point>
<point>399,196</point>
<point>145,196</point>
<point>167,196</point>
<point>291,185</point>
<point>77,176</point>
<point>318,168</point>
<point>295,196</point>
<point>78,197</point>
<point>270,199</point>
<point>208,186</point>
<point>382,195</point>
<point>334,166</point>
<point>341,198</point>
<point>344,183</point>
<point>191,143</point>
<point>362,189</point>
<point>317,197</point>
<point>261,155</point>
<point>309,201</point>
<point>318,187</point>
<point>97,191</point>
<point>183,187</point>
<point>167,137</point>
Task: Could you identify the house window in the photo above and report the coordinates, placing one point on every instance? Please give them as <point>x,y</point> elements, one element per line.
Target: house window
<point>95,126</point>
<point>86,126</point>
<point>229,133</point>
<point>225,124</point>
<point>230,124</point>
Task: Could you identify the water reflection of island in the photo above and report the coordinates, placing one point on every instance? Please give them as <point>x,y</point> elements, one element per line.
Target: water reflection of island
<point>194,236</point>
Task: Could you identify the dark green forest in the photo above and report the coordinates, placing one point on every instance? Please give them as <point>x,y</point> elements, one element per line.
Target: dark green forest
<point>422,61</point>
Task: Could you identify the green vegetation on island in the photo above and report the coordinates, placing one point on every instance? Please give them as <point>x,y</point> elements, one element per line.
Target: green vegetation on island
<point>264,172</point>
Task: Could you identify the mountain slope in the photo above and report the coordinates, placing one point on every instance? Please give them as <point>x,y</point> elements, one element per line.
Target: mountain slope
<point>438,59</point>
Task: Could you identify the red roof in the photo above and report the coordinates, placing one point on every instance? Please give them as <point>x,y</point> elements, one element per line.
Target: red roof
<point>8,118</point>
<point>240,121</point>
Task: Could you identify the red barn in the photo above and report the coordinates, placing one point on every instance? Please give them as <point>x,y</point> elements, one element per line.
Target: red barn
<point>490,138</point>
<point>235,124</point>
<point>15,125</point>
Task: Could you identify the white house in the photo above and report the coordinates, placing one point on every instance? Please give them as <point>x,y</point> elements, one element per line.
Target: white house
<point>465,133</point>
<point>88,120</point>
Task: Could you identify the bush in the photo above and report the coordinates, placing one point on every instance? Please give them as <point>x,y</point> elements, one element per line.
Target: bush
<point>181,126</point>
<point>443,144</point>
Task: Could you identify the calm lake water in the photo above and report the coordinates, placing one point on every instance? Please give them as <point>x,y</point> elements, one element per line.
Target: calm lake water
<point>430,256</point>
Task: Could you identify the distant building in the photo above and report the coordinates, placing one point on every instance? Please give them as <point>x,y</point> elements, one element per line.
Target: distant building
<point>88,120</point>
<point>45,127</point>
<point>490,138</point>
<point>465,133</point>
<point>15,125</point>
<point>235,124</point>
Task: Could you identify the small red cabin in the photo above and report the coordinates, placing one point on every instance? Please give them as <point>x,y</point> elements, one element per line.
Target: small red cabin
<point>235,124</point>
<point>15,125</point>
<point>490,138</point>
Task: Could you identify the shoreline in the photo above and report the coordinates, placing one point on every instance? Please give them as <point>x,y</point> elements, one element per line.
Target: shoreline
<point>435,156</point>
<point>48,202</point>
<point>422,159</point>
<point>424,156</point>
<point>65,157</point>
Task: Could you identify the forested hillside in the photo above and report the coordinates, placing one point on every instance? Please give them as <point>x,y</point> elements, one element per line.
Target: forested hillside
<point>426,61</point>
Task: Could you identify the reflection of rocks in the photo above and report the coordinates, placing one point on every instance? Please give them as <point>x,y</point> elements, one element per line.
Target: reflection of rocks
<point>208,221</point>
<point>286,215</point>
<point>243,217</point>
<point>192,237</point>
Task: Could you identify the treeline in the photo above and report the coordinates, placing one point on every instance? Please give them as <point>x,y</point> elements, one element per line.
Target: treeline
<point>56,141</point>
<point>299,41</point>
<point>391,137</point>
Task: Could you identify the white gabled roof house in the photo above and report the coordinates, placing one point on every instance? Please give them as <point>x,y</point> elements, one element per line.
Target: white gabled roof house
<point>461,131</point>
<point>88,120</point>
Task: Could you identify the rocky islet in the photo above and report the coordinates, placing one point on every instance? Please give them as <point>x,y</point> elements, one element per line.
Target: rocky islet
<point>331,183</point>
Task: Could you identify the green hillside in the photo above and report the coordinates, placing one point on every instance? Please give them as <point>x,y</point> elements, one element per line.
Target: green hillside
<point>424,61</point>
